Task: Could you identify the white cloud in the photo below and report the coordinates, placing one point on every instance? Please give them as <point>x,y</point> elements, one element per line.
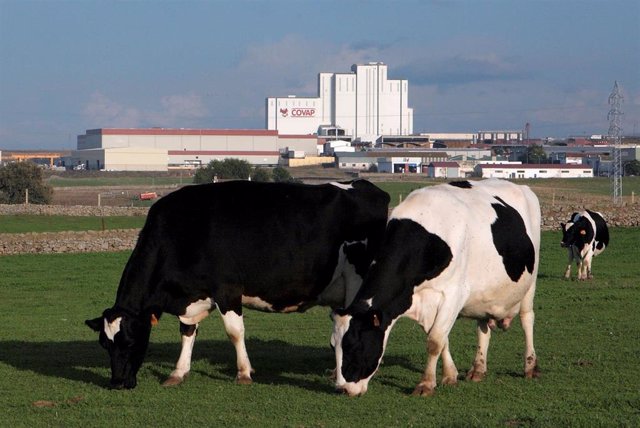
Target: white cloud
<point>174,111</point>
<point>105,112</point>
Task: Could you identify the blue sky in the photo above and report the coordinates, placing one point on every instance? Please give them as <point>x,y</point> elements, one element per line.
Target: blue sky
<point>68,66</point>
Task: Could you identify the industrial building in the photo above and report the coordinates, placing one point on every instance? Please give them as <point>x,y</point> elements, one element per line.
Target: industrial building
<point>364,104</point>
<point>405,161</point>
<point>533,171</point>
<point>159,149</point>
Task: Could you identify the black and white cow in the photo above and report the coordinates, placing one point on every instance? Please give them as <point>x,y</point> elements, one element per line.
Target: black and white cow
<point>274,247</point>
<point>467,249</point>
<point>584,236</point>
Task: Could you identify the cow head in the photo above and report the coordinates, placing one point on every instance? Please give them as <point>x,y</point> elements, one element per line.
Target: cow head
<point>577,234</point>
<point>125,337</point>
<point>358,341</point>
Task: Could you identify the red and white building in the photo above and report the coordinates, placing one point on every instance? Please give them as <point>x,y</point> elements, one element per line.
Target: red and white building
<point>158,149</point>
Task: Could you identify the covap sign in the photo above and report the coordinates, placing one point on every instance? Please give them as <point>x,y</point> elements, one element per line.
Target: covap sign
<point>298,112</point>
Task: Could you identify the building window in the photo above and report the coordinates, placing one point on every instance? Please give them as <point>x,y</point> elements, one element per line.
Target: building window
<point>564,172</point>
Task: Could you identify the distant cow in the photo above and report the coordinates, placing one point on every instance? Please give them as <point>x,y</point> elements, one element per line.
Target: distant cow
<point>274,247</point>
<point>467,249</point>
<point>584,236</point>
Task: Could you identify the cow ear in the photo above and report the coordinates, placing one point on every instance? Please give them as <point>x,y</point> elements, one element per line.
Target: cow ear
<point>154,320</point>
<point>562,226</point>
<point>95,324</point>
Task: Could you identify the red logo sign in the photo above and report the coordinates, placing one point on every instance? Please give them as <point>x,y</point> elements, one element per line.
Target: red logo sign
<point>298,112</point>
<point>303,112</point>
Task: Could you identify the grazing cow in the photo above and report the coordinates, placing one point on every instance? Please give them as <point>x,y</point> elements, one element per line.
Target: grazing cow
<point>584,236</point>
<point>467,249</point>
<point>277,247</point>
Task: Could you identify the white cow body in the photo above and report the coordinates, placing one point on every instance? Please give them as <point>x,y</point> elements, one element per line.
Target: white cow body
<point>474,283</point>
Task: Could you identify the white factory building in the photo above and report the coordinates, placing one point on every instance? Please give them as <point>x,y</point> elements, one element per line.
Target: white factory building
<point>160,149</point>
<point>364,103</point>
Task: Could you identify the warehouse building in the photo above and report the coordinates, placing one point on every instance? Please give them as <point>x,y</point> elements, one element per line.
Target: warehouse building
<point>160,149</point>
<point>533,171</point>
<point>363,103</point>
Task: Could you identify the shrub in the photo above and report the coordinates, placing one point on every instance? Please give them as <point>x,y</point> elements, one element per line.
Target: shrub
<point>261,174</point>
<point>16,178</point>
<point>226,169</point>
<point>281,175</point>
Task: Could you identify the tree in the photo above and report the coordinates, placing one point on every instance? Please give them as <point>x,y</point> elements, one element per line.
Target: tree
<point>16,178</point>
<point>261,174</point>
<point>632,167</point>
<point>226,169</point>
<point>534,154</point>
<point>281,175</point>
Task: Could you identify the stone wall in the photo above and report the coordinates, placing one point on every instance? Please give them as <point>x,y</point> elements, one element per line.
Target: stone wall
<point>68,242</point>
<point>121,240</point>
<point>74,210</point>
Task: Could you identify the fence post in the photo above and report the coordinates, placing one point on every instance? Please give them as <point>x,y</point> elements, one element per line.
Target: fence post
<point>26,196</point>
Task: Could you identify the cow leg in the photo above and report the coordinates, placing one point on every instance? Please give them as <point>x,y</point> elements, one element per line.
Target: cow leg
<point>587,263</point>
<point>479,369</point>
<point>234,326</point>
<point>567,272</point>
<point>527,318</point>
<point>427,385</point>
<point>183,366</point>
<point>582,270</point>
<point>437,345</point>
<point>449,370</point>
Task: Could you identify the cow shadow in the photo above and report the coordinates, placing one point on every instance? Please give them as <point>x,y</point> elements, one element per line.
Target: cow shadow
<point>275,361</point>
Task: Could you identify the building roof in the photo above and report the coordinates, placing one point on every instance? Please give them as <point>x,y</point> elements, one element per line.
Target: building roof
<point>395,154</point>
<point>533,166</point>
<point>444,164</point>
<point>182,131</point>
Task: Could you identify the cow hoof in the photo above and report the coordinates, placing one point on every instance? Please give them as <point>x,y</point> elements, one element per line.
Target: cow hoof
<point>173,381</point>
<point>450,380</point>
<point>423,390</point>
<point>476,376</point>
<point>533,373</point>
<point>243,380</point>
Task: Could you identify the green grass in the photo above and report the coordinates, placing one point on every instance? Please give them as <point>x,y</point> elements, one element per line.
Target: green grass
<point>39,223</point>
<point>587,339</point>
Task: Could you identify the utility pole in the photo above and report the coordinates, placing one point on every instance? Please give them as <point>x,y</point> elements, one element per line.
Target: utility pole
<point>615,137</point>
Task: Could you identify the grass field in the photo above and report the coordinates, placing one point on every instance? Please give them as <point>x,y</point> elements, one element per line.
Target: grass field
<point>54,373</point>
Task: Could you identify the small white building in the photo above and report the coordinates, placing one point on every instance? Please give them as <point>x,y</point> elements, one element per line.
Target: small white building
<point>333,146</point>
<point>533,171</point>
<point>443,170</point>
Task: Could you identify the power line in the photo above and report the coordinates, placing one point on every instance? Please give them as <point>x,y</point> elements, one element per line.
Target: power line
<point>615,131</point>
